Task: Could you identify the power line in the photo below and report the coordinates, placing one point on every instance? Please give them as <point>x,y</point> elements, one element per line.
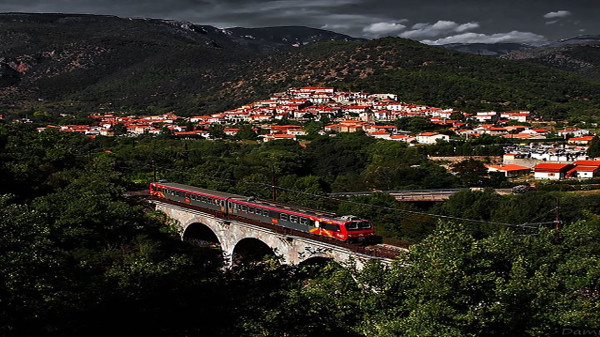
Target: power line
<point>527,225</point>
<point>154,167</point>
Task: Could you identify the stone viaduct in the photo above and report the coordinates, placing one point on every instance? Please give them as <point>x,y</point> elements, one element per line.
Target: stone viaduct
<point>232,235</point>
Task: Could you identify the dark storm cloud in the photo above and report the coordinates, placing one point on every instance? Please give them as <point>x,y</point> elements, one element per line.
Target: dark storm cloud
<point>431,21</point>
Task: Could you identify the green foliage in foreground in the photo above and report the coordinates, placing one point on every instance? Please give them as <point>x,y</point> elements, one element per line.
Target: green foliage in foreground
<point>78,259</point>
<point>145,282</point>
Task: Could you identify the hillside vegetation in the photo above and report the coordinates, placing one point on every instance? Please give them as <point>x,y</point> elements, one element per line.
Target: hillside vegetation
<point>78,63</point>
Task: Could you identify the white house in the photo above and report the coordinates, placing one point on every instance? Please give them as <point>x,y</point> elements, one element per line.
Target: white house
<point>392,97</point>
<point>576,132</point>
<point>510,170</point>
<point>431,137</point>
<point>552,171</point>
<point>519,116</point>
<point>586,172</point>
<point>483,117</point>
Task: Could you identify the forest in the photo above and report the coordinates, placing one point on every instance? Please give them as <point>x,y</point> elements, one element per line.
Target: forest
<point>78,258</point>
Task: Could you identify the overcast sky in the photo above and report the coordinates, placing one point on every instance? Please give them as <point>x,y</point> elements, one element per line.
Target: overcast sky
<point>429,21</point>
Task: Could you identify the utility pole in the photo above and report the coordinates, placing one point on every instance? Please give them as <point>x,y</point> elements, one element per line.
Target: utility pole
<point>154,169</point>
<point>557,221</point>
<point>273,182</point>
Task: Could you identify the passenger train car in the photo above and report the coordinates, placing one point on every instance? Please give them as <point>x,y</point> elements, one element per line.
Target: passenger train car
<point>232,206</point>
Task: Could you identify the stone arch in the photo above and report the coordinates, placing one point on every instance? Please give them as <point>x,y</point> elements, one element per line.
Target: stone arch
<point>315,267</point>
<point>200,234</point>
<point>250,250</point>
<point>318,260</point>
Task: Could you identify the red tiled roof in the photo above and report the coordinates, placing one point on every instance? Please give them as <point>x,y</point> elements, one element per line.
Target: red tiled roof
<point>509,167</point>
<point>584,138</point>
<point>587,162</point>
<point>401,136</point>
<point>384,126</point>
<point>279,135</point>
<point>196,132</point>
<point>586,168</point>
<point>551,166</point>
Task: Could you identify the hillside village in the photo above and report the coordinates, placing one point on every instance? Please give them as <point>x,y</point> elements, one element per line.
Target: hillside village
<point>285,115</point>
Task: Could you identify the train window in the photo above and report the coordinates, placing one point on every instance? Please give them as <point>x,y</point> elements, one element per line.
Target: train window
<point>331,227</point>
<point>357,225</point>
<point>222,203</point>
<point>304,221</point>
<point>230,204</point>
<point>251,209</point>
<point>283,216</point>
<point>294,218</point>
<point>244,208</point>
<point>265,212</point>
<point>187,195</point>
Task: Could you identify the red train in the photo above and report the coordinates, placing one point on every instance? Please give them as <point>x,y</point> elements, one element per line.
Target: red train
<point>345,228</point>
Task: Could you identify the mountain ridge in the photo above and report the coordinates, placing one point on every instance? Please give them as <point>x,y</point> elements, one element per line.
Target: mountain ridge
<point>579,55</point>
<point>79,63</point>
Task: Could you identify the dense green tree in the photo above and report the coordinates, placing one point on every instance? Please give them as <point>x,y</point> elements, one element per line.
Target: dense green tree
<point>471,172</point>
<point>329,157</point>
<point>246,132</point>
<point>506,285</point>
<point>414,124</point>
<point>30,264</point>
<point>594,147</point>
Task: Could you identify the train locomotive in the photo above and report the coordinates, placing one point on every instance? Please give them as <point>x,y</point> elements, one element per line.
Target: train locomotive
<point>232,206</point>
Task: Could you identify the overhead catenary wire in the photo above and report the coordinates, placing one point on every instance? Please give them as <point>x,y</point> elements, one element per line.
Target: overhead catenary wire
<point>527,225</point>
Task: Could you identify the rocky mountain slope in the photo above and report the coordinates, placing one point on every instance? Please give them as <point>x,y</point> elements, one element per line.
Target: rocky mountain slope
<point>488,49</point>
<point>580,55</point>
